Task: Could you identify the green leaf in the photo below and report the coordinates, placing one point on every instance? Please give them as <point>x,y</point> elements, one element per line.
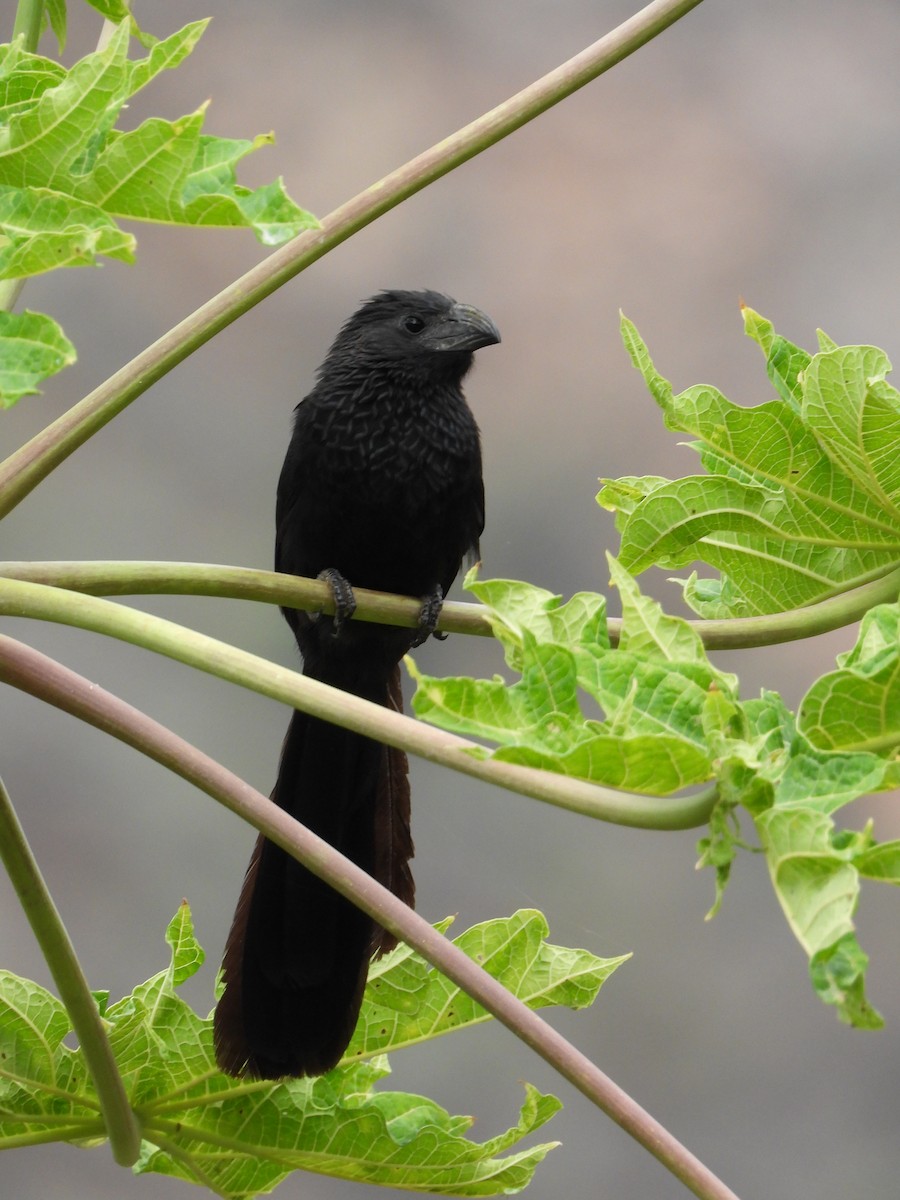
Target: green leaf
<point>670,719</point>
<point>39,146</point>
<point>111,10</point>
<point>142,174</point>
<point>519,608</point>
<point>241,1138</point>
<point>838,976</point>
<point>827,781</point>
<point>652,689</point>
<point>857,707</point>
<point>648,630</point>
<point>60,136</point>
<point>652,765</point>
<point>881,863</point>
<point>817,888</point>
<point>166,171</point>
<point>816,880</point>
<point>55,16</point>
<point>785,362</point>
<point>855,414</point>
<point>164,55</point>
<point>66,174</point>
<point>45,1093</point>
<point>719,849</point>
<point>659,387</point>
<point>41,230</point>
<point>802,494</point>
<point>32,347</point>
<point>407,1001</point>
<point>791,788</point>
<point>23,78</point>
<point>245,1144</point>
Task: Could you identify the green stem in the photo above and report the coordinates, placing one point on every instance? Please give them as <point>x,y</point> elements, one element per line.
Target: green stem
<point>33,672</point>
<point>10,290</point>
<point>309,695</point>
<point>29,22</point>
<point>26,467</point>
<point>121,1124</point>
<point>244,583</point>
<point>238,583</point>
<point>46,1137</point>
<point>742,633</point>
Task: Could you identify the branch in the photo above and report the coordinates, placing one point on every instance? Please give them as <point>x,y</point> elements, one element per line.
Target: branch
<point>121,1124</point>
<point>26,467</point>
<point>239,583</point>
<point>42,603</point>
<point>33,672</point>
<point>292,591</point>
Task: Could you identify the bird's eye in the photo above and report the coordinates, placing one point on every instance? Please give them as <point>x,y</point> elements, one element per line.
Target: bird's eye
<point>413,324</point>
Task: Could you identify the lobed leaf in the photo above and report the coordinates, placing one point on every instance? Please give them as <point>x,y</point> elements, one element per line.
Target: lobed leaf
<point>793,776</point>
<point>41,230</point>
<point>652,689</point>
<point>855,414</point>
<point>408,1001</point>
<point>801,499</point>
<point>857,707</point>
<point>881,863</point>
<point>785,362</point>
<point>32,347</point>
<point>67,175</point>
<point>241,1138</point>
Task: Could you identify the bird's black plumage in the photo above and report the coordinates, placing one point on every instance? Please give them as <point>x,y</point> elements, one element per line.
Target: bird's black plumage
<point>381,487</point>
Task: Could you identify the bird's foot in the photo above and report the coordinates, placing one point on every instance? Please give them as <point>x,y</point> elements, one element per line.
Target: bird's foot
<point>429,614</point>
<point>344,600</point>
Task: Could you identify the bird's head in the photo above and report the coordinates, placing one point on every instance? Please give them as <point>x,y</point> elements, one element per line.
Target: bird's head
<point>415,331</point>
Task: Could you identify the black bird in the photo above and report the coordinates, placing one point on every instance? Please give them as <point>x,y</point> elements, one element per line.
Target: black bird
<point>381,488</point>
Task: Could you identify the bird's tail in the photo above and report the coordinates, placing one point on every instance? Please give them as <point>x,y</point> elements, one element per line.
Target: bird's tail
<point>297,956</point>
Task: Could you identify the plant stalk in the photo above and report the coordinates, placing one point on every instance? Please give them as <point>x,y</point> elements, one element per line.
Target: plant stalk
<point>29,22</point>
<point>122,1126</point>
<point>270,587</point>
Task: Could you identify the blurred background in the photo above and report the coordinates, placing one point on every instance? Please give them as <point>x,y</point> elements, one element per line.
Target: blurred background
<point>749,152</point>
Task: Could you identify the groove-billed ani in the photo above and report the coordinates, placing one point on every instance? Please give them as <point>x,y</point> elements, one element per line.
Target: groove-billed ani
<point>381,488</point>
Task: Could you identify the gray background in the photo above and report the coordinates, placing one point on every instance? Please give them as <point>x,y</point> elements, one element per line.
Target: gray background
<point>749,152</point>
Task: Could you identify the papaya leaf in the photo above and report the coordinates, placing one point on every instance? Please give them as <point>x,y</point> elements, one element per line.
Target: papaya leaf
<point>802,494</point>
<point>240,1138</point>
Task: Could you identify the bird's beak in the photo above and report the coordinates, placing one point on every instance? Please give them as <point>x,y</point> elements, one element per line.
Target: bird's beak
<point>465,328</point>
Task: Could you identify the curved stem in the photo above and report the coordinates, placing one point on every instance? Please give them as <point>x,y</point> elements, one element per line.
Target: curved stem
<point>35,673</point>
<point>244,583</point>
<point>741,633</point>
<point>121,1123</point>
<point>25,468</point>
<point>239,583</point>
<point>18,599</point>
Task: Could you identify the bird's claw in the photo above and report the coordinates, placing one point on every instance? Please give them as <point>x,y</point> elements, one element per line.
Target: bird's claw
<point>344,599</point>
<point>429,615</point>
